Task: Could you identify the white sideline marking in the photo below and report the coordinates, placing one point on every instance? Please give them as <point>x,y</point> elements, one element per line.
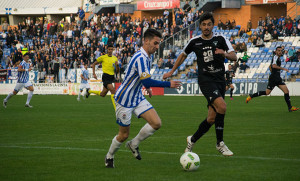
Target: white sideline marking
<point>165,153</point>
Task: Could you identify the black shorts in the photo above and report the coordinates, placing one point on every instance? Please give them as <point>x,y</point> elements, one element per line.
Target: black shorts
<point>274,81</point>
<point>212,91</point>
<point>228,82</point>
<point>107,79</point>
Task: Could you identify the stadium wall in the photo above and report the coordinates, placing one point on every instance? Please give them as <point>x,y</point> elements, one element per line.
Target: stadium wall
<point>252,12</point>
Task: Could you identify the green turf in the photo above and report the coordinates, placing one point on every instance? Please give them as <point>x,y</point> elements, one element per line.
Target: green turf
<point>62,139</point>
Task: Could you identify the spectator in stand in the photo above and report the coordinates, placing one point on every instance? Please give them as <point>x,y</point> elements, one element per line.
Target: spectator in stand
<point>242,31</point>
<point>267,37</point>
<point>187,7</point>
<point>171,54</point>
<point>243,47</point>
<point>275,35</point>
<point>81,13</point>
<point>244,58</point>
<point>260,42</point>
<point>161,63</point>
<point>232,41</point>
<point>249,24</point>
<point>170,63</point>
<point>292,54</point>
<point>220,25</point>
<point>243,67</point>
<point>5,26</point>
<point>249,32</point>
<point>260,23</point>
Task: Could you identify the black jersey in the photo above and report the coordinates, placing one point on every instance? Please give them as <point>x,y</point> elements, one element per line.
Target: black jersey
<point>275,72</point>
<point>210,65</point>
<point>228,75</point>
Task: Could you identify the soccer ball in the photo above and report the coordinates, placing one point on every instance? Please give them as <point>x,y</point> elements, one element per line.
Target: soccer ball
<point>190,161</point>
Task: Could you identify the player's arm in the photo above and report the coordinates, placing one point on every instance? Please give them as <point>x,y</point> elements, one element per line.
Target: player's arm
<point>83,77</point>
<point>230,55</point>
<point>93,67</point>
<point>117,66</point>
<point>148,82</point>
<point>280,68</point>
<point>20,69</point>
<point>178,62</point>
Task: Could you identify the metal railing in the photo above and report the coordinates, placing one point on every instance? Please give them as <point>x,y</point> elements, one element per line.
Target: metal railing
<point>179,39</point>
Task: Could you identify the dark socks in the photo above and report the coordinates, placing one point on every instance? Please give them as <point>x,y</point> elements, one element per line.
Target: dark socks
<point>231,91</point>
<point>219,126</point>
<point>203,128</point>
<point>287,100</point>
<point>260,93</point>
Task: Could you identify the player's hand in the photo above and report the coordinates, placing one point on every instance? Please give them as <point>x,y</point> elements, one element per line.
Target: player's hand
<point>220,51</point>
<point>117,62</point>
<point>29,69</point>
<point>175,84</point>
<point>95,76</point>
<point>149,91</point>
<point>167,75</point>
<point>286,69</point>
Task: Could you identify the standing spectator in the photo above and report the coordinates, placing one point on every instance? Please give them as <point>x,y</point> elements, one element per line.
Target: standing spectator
<point>81,13</point>
<point>187,7</point>
<point>5,26</point>
<point>249,24</point>
<point>70,35</point>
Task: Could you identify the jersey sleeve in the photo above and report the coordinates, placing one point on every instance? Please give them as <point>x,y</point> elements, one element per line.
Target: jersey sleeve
<point>188,48</point>
<point>142,69</point>
<point>100,59</point>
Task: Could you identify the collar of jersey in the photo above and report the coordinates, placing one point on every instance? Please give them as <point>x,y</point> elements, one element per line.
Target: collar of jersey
<point>145,53</point>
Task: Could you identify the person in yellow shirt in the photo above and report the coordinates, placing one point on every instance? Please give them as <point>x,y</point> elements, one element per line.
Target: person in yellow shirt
<point>109,66</point>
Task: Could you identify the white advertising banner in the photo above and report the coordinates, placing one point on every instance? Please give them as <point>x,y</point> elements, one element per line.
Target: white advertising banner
<point>106,2</point>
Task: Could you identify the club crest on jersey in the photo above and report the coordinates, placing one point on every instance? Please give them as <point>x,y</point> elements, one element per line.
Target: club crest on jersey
<point>215,42</point>
<point>216,92</point>
<point>124,116</point>
<point>145,75</point>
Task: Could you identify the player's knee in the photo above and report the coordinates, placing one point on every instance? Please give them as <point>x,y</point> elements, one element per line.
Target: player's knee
<point>122,137</point>
<point>222,108</point>
<point>156,125</point>
<point>210,120</point>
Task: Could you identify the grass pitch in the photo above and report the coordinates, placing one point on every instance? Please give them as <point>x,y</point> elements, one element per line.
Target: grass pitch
<point>62,139</point>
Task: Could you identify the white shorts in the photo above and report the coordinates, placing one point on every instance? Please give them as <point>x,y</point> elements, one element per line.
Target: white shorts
<point>84,86</point>
<point>123,114</point>
<point>20,86</point>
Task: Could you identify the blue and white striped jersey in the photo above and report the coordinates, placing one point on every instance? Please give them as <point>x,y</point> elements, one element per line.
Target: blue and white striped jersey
<point>129,94</point>
<point>85,74</point>
<point>23,77</point>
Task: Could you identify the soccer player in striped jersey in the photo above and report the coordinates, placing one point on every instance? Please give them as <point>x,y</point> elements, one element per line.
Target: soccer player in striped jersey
<point>130,100</point>
<point>23,81</point>
<point>110,65</point>
<point>84,81</point>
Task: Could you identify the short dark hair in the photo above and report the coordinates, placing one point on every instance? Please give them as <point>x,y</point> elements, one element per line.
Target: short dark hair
<point>278,47</point>
<point>26,54</point>
<point>206,16</point>
<point>110,45</point>
<point>151,33</point>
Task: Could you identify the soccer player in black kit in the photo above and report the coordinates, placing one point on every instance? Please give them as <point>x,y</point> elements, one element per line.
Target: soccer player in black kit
<point>275,80</point>
<point>211,51</point>
<point>229,74</point>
